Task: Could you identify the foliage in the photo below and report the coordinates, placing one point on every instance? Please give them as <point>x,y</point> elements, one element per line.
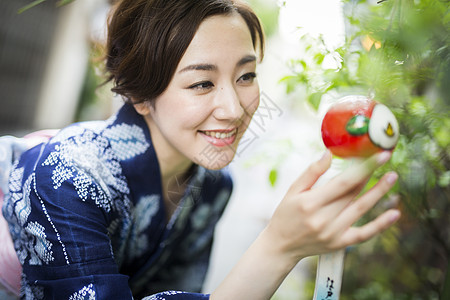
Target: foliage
<point>397,52</point>
<point>95,96</point>
<point>267,11</point>
<point>36,2</point>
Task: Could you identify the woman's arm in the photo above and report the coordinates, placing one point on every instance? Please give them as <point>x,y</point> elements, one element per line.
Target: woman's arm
<point>307,222</point>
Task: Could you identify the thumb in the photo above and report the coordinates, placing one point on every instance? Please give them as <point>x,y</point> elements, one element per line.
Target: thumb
<point>312,174</point>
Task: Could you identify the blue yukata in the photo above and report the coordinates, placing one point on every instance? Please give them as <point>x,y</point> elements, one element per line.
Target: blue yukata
<point>88,221</point>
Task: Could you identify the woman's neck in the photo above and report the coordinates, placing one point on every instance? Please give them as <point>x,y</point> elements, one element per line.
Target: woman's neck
<point>174,183</point>
<point>175,169</point>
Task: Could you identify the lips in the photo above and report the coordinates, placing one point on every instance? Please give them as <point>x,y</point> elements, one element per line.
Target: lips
<point>220,137</point>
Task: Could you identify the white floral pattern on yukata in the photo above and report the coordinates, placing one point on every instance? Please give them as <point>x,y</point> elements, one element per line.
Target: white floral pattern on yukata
<point>88,220</point>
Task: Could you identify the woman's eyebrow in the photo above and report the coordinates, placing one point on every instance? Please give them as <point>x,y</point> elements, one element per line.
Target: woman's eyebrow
<point>199,67</point>
<point>246,59</point>
<point>210,67</point>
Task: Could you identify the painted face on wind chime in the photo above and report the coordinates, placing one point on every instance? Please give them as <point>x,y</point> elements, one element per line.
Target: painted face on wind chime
<point>357,126</point>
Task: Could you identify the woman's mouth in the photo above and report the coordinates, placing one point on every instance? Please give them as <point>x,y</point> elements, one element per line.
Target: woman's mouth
<point>220,138</point>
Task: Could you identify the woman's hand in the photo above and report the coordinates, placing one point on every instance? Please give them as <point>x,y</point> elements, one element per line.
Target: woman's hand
<point>315,220</point>
<point>309,221</point>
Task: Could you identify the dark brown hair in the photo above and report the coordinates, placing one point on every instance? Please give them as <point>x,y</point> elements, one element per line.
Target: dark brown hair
<point>147,39</point>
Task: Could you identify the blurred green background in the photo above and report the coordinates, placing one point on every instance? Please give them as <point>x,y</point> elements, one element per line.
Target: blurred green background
<point>398,53</point>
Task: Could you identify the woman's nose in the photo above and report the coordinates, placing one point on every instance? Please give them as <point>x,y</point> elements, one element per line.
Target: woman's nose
<point>228,105</point>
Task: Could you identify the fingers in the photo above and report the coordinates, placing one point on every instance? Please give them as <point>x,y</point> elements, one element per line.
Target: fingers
<point>352,176</point>
<point>312,174</point>
<point>359,207</point>
<point>352,180</point>
<point>355,235</point>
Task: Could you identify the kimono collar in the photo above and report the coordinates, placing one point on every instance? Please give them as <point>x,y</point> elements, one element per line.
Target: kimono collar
<point>138,157</point>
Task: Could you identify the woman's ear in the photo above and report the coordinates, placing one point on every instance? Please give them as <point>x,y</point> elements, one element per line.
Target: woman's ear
<point>143,108</point>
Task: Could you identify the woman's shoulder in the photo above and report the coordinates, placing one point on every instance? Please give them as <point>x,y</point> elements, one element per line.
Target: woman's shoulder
<point>79,154</point>
<point>80,145</point>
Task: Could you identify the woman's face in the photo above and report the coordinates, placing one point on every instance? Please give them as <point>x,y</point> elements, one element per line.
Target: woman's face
<point>211,98</point>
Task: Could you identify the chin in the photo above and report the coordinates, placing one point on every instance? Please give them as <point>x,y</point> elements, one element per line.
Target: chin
<point>215,160</point>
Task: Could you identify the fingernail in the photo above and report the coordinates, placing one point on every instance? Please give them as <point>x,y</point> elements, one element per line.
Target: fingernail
<point>395,215</point>
<point>391,177</point>
<point>383,157</point>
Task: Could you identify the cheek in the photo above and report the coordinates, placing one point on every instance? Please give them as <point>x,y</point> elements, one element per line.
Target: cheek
<point>195,114</point>
<point>183,112</point>
<point>250,100</point>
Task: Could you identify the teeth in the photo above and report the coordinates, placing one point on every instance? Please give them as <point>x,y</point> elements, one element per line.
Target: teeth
<point>220,135</point>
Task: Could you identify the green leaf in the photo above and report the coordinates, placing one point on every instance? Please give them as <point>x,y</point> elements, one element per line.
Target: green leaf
<point>319,57</point>
<point>27,7</point>
<point>64,2</point>
<point>37,2</point>
<point>290,82</point>
<point>273,175</point>
<point>314,99</point>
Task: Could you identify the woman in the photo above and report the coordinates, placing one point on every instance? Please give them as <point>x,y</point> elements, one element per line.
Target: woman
<point>127,207</point>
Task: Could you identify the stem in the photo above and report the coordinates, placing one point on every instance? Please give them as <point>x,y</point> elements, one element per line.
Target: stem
<point>27,7</point>
<point>63,2</point>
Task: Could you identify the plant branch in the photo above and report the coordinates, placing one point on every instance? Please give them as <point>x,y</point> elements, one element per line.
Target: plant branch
<point>32,4</point>
<point>37,2</point>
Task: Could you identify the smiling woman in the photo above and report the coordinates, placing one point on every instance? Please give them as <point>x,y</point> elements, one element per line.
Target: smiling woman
<point>123,213</point>
<point>210,99</point>
<point>126,208</point>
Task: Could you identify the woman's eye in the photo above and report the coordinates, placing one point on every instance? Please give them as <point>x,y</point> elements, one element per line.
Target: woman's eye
<point>248,78</point>
<point>202,85</point>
